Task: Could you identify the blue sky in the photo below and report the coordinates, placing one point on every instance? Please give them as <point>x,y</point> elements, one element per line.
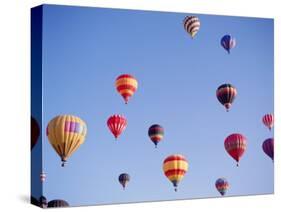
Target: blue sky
<point>85,49</point>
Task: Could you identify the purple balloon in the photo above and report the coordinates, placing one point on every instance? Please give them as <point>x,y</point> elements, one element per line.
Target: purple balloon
<point>268,147</point>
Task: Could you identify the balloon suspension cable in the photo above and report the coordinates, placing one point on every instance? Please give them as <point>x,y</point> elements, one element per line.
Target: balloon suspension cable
<point>237,164</point>
<point>176,189</point>
<point>63,163</point>
<point>155,146</point>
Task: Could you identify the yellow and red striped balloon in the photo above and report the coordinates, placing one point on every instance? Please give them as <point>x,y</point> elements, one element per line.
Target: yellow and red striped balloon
<point>126,85</point>
<point>175,167</point>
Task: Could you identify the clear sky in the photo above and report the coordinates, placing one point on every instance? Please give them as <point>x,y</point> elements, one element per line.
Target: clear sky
<point>85,49</point>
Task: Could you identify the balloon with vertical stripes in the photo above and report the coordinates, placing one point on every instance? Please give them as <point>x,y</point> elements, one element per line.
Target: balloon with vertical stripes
<point>66,133</point>
<point>191,25</point>
<point>174,167</point>
<point>226,93</point>
<point>126,85</point>
<point>235,145</point>
<point>268,120</point>
<point>228,42</point>
<point>117,124</point>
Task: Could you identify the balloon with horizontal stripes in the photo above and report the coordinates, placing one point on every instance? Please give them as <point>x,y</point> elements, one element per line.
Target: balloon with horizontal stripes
<point>191,25</point>
<point>126,85</point>
<point>268,120</point>
<point>66,133</point>
<point>124,179</point>
<point>174,167</point>
<point>156,133</point>
<point>228,42</point>
<point>117,124</point>
<point>58,203</point>
<point>35,132</point>
<point>235,145</point>
<point>226,93</point>
<point>268,148</point>
<point>222,185</point>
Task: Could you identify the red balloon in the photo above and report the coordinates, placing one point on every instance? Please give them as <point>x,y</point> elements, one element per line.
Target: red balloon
<point>117,124</point>
<point>35,132</point>
<point>268,120</point>
<point>235,144</point>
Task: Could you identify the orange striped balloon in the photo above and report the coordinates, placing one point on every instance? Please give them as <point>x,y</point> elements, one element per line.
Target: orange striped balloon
<point>126,85</point>
<point>175,167</point>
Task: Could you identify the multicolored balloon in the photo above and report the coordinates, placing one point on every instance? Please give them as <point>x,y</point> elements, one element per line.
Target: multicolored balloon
<point>43,177</point>
<point>117,124</point>
<point>58,203</point>
<point>126,85</point>
<point>222,185</point>
<point>156,133</point>
<point>226,94</point>
<point>268,120</point>
<point>268,148</point>
<point>35,132</point>
<point>124,179</point>
<point>191,25</point>
<point>228,42</point>
<point>235,144</point>
<point>175,167</point>
<point>43,202</point>
<point>66,133</point>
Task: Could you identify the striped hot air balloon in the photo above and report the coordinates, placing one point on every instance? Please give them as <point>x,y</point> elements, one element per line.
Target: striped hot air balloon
<point>117,124</point>
<point>126,85</point>
<point>268,148</point>
<point>124,179</point>
<point>226,94</point>
<point>228,42</point>
<point>175,167</point>
<point>191,25</point>
<point>268,120</point>
<point>58,203</point>
<point>66,133</point>
<point>235,144</point>
<point>43,176</point>
<point>222,185</point>
<point>156,133</point>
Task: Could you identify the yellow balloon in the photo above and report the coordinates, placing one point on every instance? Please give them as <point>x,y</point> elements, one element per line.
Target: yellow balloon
<point>66,133</point>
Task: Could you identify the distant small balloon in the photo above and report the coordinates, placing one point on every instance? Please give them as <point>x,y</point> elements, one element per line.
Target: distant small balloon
<point>268,120</point>
<point>191,25</point>
<point>222,185</point>
<point>228,42</point>
<point>58,203</point>
<point>156,133</point>
<point>117,124</point>
<point>124,179</point>
<point>226,94</point>
<point>43,177</point>
<point>126,85</point>
<point>268,148</point>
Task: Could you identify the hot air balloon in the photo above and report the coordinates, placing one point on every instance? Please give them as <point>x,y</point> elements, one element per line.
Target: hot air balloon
<point>228,42</point>
<point>117,124</point>
<point>57,203</point>
<point>268,120</point>
<point>126,85</point>
<point>226,94</point>
<point>66,133</point>
<point>35,132</point>
<point>43,177</point>
<point>175,167</point>
<point>222,185</point>
<point>124,179</point>
<point>268,148</point>
<point>156,133</point>
<point>235,144</point>
<point>191,25</point>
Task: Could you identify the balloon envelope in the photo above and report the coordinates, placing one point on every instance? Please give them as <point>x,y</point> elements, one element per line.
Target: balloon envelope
<point>126,85</point>
<point>228,42</point>
<point>268,120</point>
<point>191,25</point>
<point>174,167</point>
<point>156,133</point>
<point>117,124</point>
<point>235,145</point>
<point>57,203</point>
<point>124,179</point>
<point>66,133</point>
<point>226,94</point>
<point>268,148</point>
<point>35,132</point>
<point>222,185</point>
